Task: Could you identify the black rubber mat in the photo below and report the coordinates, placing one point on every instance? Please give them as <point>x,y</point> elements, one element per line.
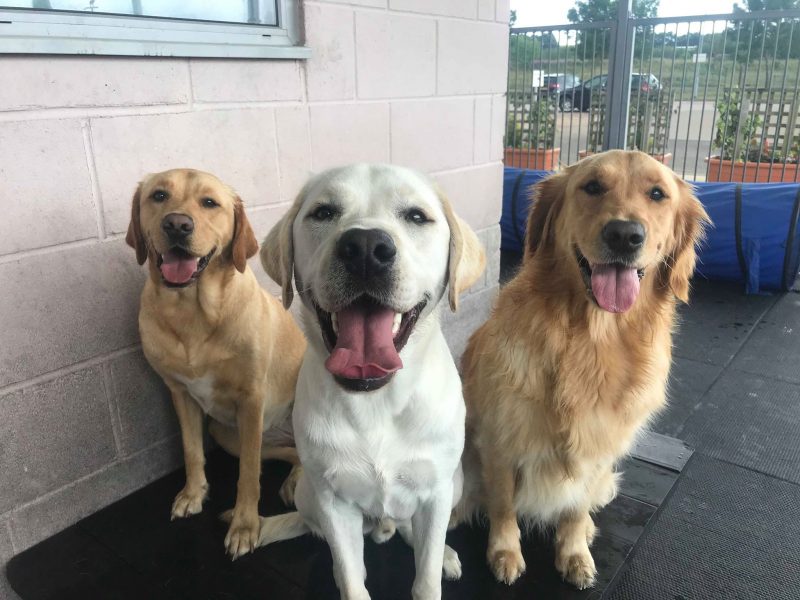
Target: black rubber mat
<point>725,533</point>
<point>750,421</point>
<point>645,482</point>
<point>661,450</point>
<point>131,550</point>
<point>773,349</point>
<point>717,321</point>
<point>688,381</point>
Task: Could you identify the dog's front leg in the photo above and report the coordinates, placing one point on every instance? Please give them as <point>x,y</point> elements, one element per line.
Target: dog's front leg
<point>429,529</point>
<point>504,553</point>
<point>574,533</point>
<point>243,531</point>
<point>342,525</point>
<point>189,500</point>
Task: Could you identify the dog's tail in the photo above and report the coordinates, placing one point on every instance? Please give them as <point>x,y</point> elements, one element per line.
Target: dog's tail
<point>276,528</point>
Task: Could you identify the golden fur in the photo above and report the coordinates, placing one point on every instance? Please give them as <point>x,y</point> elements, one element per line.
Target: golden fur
<point>221,341</point>
<point>557,388</point>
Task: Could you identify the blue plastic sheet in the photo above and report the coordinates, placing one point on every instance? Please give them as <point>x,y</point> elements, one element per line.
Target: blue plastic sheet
<point>755,239</point>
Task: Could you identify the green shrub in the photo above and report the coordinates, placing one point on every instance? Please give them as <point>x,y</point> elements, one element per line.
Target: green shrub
<point>540,129</point>
<point>733,136</point>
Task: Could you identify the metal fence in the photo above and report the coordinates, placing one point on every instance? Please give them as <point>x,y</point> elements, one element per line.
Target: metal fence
<point>715,97</point>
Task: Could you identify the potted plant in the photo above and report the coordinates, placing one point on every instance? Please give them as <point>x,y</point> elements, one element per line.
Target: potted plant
<point>742,154</point>
<point>530,139</point>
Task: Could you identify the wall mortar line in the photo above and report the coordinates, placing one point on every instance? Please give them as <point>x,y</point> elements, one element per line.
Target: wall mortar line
<point>113,407</point>
<point>67,370</point>
<point>88,146</point>
<point>10,529</point>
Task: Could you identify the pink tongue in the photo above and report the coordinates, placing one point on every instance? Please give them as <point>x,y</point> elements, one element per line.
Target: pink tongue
<point>365,345</point>
<point>178,268</point>
<point>615,287</point>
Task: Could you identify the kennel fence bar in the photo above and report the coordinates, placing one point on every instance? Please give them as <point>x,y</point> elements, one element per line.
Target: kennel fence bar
<point>697,56</point>
<point>754,114</point>
<point>769,103</point>
<point>620,63</point>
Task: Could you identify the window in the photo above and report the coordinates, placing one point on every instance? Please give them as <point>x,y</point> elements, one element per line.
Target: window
<point>209,28</point>
<point>596,81</point>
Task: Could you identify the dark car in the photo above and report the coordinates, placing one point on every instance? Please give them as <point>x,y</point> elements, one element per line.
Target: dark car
<point>580,96</point>
<point>553,83</point>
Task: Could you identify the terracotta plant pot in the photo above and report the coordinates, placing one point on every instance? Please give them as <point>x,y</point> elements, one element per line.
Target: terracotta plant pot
<point>544,160</point>
<point>758,172</point>
<point>665,158</point>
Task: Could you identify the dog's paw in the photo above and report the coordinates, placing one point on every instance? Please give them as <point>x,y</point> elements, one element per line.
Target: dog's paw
<point>426,590</point>
<point>242,536</point>
<point>384,531</point>
<point>289,484</point>
<point>188,502</point>
<point>577,569</point>
<point>451,566</point>
<point>507,565</point>
<point>355,594</point>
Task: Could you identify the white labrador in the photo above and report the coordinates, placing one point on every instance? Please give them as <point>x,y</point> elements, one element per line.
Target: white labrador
<point>378,415</point>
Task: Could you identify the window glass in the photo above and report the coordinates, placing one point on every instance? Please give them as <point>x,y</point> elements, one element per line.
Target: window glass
<point>262,12</point>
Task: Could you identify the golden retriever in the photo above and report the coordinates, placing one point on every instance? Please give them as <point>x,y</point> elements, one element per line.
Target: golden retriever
<point>222,345</point>
<point>575,357</point>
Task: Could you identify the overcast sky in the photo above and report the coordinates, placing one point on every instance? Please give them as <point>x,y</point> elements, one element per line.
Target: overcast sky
<point>531,13</point>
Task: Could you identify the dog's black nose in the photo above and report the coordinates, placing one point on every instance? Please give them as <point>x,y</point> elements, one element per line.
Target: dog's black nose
<point>623,237</point>
<point>366,253</point>
<point>177,226</point>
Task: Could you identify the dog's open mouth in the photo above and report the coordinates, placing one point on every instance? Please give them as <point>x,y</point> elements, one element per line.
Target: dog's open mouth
<point>364,340</point>
<point>613,286</point>
<point>180,268</point>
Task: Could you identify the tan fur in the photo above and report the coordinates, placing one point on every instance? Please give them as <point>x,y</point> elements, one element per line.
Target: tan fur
<point>223,330</point>
<point>467,258</point>
<point>556,388</point>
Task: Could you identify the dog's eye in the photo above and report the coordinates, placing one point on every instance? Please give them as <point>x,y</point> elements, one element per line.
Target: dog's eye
<point>416,216</point>
<point>593,188</point>
<point>657,194</point>
<point>323,212</point>
<point>159,196</point>
<point>209,203</point>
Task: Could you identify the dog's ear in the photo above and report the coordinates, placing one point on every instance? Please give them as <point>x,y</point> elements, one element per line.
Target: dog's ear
<point>244,244</point>
<point>134,237</point>
<point>467,258</point>
<point>690,223</point>
<point>548,196</point>
<point>277,252</point>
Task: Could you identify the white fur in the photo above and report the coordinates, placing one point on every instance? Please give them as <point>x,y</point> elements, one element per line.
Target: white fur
<point>202,391</point>
<point>393,453</point>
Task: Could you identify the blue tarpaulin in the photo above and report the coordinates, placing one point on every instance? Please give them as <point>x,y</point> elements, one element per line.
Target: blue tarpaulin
<point>755,239</point>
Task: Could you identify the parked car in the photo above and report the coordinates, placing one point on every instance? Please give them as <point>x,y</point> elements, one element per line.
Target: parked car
<point>580,97</point>
<point>554,83</point>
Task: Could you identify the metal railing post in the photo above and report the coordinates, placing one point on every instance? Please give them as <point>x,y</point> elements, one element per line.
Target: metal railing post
<point>618,88</point>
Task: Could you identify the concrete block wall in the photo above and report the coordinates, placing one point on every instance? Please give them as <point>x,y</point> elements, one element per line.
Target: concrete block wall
<point>413,82</point>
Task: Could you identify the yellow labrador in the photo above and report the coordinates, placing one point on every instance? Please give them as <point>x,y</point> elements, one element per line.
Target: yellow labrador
<point>379,415</point>
<point>222,345</point>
